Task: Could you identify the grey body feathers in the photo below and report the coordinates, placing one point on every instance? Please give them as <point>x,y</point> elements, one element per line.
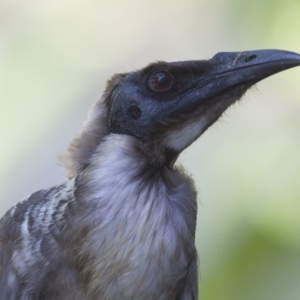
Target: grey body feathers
<point>129,235</point>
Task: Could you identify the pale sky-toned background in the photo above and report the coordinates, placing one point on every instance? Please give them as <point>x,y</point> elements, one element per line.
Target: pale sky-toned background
<point>55,57</point>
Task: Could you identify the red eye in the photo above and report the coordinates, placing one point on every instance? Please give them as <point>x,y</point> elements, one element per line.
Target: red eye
<point>160,81</point>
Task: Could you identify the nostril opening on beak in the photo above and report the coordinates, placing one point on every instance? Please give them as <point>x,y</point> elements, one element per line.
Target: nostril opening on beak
<point>251,57</point>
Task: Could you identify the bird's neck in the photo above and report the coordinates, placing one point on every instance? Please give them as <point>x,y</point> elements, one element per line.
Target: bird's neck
<point>127,206</point>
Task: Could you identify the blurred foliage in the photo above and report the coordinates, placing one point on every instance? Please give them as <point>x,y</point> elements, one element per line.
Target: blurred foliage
<point>258,268</point>
<point>55,57</point>
<point>265,22</point>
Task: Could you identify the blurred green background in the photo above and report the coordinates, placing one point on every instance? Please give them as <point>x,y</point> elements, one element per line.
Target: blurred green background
<point>55,57</point>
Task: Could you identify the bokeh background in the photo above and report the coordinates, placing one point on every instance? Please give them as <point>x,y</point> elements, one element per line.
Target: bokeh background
<point>55,57</point>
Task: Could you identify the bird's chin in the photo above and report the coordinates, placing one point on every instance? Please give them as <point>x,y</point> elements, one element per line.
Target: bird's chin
<point>231,94</point>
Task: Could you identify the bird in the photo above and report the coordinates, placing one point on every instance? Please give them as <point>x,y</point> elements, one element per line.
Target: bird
<point>123,225</point>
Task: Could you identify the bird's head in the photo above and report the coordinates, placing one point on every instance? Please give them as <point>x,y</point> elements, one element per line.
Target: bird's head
<point>167,106</point>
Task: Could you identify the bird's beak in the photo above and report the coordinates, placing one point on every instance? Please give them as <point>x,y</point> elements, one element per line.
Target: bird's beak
<point>233,73</point>
<point>253,65</point>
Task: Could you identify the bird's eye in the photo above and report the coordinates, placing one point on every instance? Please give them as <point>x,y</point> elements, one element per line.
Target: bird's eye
<point>160,81</point>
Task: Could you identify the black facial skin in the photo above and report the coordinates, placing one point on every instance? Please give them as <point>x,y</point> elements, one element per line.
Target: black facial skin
<point>138,109</point>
